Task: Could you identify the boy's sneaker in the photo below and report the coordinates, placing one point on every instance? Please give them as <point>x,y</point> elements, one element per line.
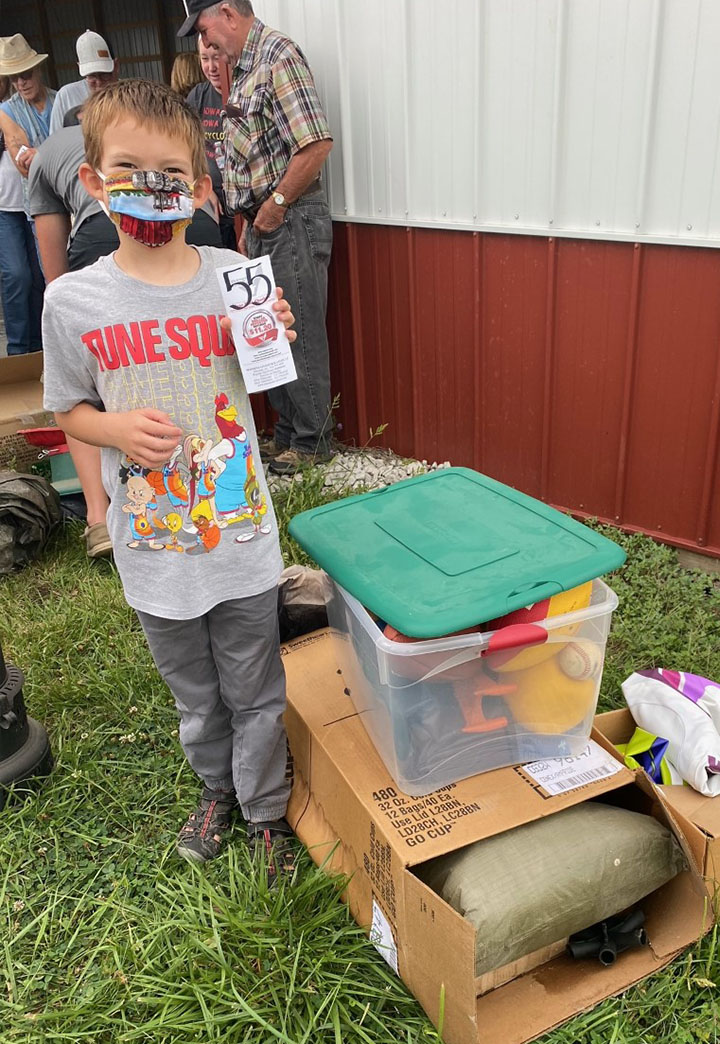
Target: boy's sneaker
<point>202,836</point>
<point>275,843</point>
<point>97,541</point>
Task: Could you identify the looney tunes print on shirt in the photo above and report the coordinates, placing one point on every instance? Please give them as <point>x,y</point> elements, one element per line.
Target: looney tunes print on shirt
<point>205,488</point>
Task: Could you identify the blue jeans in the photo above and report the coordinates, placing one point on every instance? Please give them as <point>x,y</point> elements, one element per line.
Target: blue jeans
<point>22,283</point>
<point>300,254</point>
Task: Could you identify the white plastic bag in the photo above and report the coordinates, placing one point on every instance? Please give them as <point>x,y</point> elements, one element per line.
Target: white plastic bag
<point>685,710</point>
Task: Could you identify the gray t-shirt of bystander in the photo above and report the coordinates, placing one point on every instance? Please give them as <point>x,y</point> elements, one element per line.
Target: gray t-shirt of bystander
<point>53,183</point>
<point>72,94</point>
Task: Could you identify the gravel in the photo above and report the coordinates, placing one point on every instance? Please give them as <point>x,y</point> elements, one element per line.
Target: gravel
<point>363,469</point>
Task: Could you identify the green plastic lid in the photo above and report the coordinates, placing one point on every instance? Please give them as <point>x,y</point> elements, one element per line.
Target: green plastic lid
<point>451,549</point>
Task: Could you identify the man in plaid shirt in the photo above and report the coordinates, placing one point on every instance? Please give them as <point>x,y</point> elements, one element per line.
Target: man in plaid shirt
<point>276,141</point>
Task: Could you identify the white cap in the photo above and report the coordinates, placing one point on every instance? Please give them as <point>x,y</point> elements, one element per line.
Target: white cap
<point>93,54</point>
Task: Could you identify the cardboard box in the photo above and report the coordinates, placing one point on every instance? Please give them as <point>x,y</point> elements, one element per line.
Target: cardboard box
<point>346,808</point>
<point>702,812</point>
<point>21,406</point>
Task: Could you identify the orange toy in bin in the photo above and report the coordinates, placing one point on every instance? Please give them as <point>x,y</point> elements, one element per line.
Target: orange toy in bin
<point>416,667</point>
<point>469,681</point>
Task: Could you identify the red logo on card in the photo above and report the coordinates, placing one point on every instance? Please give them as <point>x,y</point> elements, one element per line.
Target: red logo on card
<point>259,328</point>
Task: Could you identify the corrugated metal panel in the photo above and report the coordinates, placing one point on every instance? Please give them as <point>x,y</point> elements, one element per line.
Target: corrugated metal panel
<point>590,118</point>
<point>19,16</point>
<point>65,22</point>
<point>582,372</point>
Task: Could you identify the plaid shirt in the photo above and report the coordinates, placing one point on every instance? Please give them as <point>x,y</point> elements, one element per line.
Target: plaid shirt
<point>273,111</point>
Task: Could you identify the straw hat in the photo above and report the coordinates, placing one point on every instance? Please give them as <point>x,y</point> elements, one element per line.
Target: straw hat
<point>17,56</point>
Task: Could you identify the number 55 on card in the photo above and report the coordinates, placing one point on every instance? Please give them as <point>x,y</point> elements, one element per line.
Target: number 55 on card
<point>262,347</point>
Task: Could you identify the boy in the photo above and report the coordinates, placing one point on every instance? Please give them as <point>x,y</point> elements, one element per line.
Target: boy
<point>138,363</point>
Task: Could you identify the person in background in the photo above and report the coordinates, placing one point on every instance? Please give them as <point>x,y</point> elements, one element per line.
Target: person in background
<point>15,276</point>
<point>277,139</point>
<point>97,67</point>
<point>24,117</point>
<point>73,232</point>
<point>206,100</point>
<point>186,73</point>
<point>24,124</point>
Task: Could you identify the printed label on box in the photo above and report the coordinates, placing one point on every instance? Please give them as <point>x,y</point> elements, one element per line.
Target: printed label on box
<point>382,937</point>
<point>417,820</point>
<point>559,775</point>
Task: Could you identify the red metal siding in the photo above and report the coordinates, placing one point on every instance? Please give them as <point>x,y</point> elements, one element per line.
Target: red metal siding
<point>586,373</point>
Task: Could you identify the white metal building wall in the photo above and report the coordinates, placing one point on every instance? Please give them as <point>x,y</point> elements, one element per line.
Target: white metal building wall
<point>592,118</point>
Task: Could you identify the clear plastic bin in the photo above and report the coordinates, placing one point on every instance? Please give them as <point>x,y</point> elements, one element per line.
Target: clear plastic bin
<point>446,708</point>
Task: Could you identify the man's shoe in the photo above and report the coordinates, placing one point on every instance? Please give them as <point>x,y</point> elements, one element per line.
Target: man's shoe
<point>273,843</point>
<point>269,449</point>
<point>202,836</point>
<point>97,541</point>
<point>291,461</point>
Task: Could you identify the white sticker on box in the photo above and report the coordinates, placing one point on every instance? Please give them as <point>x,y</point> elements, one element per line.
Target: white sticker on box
<point>382,938</point>
<point>262,347</point>
<point>558,775</point>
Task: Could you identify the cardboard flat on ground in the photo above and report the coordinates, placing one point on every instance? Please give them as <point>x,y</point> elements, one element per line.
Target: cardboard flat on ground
<point>703,812</point>
<point>354,820</point>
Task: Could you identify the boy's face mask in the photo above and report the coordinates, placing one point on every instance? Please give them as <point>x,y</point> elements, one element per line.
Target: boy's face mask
<point>149,205</point>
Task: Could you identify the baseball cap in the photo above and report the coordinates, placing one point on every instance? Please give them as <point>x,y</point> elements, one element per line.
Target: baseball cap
<point>192,9</point>
<point>93,54</point>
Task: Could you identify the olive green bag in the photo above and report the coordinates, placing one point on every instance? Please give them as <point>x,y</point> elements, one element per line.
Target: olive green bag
<point>542,882</point>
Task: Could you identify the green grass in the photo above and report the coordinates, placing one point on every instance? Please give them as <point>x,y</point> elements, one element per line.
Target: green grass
<point>106,937</point>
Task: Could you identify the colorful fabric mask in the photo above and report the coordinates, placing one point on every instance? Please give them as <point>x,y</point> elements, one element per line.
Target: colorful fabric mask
<point>149,205</point>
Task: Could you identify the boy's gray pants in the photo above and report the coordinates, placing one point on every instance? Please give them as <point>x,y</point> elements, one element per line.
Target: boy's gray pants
<point>226,675</point>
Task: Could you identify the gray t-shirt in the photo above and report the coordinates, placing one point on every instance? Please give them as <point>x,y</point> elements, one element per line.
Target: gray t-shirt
<point>201,530</point>
<point>53,183</point>
<point>72,94</point>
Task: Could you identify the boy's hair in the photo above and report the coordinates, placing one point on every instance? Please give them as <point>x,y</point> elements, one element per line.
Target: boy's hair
<point>150,104</point>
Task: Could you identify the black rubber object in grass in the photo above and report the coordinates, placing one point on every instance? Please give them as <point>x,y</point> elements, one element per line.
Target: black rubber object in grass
<point>25,753</point>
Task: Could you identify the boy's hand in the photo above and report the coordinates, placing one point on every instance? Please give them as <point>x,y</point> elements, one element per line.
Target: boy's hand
<point>281,309</point>
<point>146,436</point>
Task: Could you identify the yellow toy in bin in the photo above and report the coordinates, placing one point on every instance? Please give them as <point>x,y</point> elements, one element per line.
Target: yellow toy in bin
<point>546,698</point>
<point>559,604</point>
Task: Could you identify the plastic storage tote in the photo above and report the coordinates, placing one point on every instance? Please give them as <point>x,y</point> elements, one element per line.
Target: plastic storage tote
<point>441,552</point>
<point>443,709</point>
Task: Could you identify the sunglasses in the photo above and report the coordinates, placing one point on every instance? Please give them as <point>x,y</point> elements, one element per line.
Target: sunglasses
<point>29,75</point>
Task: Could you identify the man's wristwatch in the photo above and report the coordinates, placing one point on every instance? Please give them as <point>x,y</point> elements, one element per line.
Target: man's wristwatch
<point>279,199</point>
